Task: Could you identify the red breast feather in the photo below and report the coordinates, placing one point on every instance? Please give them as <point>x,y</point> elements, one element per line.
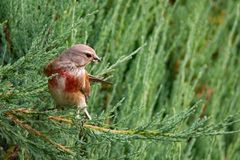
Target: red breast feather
<point>68,87</point>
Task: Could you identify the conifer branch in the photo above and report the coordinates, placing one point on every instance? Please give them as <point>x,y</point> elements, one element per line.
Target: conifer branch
<point>34,131</point>
<point>143,134</point>
<point>130,132</point>
<point>146,133</point>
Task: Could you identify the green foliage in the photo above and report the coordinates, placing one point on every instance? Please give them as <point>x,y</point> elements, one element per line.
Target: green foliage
<point>174,67</point>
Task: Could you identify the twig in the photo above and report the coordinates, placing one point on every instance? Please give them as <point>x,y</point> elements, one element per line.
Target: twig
<point>107,130</point>
<point>60,118</point>
<point>145,133</point>
<point>36,132</point>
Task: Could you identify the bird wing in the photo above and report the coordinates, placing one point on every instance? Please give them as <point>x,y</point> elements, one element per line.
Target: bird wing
<point>85,87</point>
<point>96,79</point>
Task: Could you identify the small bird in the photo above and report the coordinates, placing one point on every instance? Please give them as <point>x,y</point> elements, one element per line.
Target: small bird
<point>69,82</point>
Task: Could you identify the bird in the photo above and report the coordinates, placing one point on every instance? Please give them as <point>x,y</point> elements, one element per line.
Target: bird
<point>69,81</point>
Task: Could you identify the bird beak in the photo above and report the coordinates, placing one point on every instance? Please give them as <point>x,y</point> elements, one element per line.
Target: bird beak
<point>96,58</point>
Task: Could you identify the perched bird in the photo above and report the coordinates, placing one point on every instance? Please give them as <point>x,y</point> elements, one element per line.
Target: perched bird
<point>69,82</point>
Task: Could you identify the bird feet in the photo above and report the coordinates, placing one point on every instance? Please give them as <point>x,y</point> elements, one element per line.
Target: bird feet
<point>84,109</point>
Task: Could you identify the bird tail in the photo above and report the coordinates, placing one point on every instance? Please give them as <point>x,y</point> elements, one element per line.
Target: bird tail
<point>96,79</point>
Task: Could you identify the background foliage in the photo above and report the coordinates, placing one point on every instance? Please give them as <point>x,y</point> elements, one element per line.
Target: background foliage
<point>175,71</point>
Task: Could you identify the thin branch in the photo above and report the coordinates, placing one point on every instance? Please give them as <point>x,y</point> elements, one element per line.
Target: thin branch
<point>128,132</point>
<point>60,118</point>
<point>34,131</point>
<point>146,133</point>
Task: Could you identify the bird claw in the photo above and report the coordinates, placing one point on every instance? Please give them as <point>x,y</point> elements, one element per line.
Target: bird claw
<point>85,112</point>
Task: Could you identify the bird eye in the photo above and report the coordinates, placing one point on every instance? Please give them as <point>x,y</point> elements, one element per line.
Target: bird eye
<point>88,55</point>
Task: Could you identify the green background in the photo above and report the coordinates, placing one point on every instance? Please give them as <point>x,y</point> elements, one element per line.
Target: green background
<point>174,65</point>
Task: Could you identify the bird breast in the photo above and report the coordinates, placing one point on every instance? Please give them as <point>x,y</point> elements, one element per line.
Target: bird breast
<point>65,87</point>
<point>68,81</point>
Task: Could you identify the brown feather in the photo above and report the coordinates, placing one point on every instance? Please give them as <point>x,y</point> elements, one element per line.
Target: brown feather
<point>86,91</point>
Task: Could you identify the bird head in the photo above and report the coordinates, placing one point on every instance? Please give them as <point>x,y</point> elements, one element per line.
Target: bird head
<point>80,55</point>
